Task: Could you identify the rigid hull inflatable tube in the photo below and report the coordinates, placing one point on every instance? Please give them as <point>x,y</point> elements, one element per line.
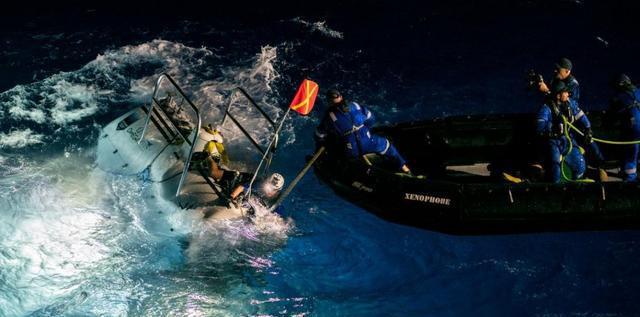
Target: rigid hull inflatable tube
<point>461,197</point>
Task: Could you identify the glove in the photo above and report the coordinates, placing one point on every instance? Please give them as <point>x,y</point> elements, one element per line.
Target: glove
<point>588,136</point>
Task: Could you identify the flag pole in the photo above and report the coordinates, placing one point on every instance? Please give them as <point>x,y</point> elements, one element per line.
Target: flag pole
<point>264,156</point>
<point>297,179</point>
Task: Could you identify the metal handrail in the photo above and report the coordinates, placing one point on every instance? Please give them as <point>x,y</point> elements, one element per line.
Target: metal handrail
<point>246,95</point>
<point>237,123</point>
<point>197,130</point>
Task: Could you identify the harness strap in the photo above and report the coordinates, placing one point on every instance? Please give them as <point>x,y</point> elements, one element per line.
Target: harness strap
<point>353,130</point>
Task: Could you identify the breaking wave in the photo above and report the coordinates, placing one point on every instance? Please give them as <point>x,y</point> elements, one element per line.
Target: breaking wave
<point>20,138</point>
<point>122,78</point>
<point>320,27</point>
<point>77,240</point>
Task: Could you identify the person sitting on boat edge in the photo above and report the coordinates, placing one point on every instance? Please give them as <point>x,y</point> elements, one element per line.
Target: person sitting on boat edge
<point>211,162</point>
<point>550,126</point>
<point>625,104</point>
<point>345,126</point>
<point>226,178</point>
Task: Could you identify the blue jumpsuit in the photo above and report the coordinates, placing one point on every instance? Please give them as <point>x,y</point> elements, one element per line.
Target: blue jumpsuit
<point>550,124</point>
<point>573,85</point>
<point>348,126</point>
<point>627,105</point>
<point>594,155</point>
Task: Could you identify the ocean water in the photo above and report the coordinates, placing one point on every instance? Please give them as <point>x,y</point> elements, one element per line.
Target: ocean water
<point>78,241</point>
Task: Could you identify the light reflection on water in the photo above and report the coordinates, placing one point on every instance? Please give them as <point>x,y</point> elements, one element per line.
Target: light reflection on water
<point>76,240</point>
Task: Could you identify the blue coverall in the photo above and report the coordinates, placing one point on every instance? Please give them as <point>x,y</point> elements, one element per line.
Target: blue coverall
<point>348,125</point>
<point>627,105</point>
<point>573,85</point>
<point>551,126</point>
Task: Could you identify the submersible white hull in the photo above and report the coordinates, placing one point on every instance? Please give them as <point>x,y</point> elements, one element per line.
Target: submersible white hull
<point>148,142</point>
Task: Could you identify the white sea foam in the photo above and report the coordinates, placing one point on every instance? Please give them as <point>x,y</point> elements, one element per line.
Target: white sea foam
<point>89,234</point>
<point>320,27</point>
<point>58,100</point>
<point>176,59</point>
<point>69,97</point>
<point>20,138</point>
<point>72,102</point>
<point>23,108</point>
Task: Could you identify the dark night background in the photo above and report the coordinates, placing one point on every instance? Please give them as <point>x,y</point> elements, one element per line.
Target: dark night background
<point>69,68</point>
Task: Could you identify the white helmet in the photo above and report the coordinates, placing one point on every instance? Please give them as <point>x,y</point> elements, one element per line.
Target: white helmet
<point>276,181</point>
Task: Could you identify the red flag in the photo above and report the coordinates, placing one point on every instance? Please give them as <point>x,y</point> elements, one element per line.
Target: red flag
<point>304,99</point>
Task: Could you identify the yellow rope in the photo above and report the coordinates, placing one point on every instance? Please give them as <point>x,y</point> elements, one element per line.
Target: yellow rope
<point>562,157</point>
<point>603,140</point>
<point>567,124</point>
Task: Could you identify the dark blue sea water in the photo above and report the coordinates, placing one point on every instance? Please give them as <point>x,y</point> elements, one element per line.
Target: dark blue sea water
<point>77,241</point>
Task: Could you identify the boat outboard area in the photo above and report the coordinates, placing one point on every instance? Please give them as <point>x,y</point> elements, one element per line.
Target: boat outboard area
<point>458,184</point>
<point>164,141</point>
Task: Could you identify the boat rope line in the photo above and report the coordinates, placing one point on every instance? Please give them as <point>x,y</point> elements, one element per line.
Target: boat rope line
<point>566,126</point>
<point>603,140</point>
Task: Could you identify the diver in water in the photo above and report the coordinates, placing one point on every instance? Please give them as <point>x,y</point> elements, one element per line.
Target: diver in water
<point>345,127</point>
<point>625,105</point>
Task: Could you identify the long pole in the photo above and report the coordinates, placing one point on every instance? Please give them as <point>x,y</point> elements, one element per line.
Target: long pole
<point>297,179</point>
<point>264,156</point>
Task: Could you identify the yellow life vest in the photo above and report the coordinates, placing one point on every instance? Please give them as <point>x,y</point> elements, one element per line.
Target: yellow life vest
<point>216,145</point>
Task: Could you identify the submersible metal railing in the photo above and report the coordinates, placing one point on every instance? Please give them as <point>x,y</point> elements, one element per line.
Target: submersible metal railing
<point>227,114</point>
<point>271,149</point>
<point>196,132</point>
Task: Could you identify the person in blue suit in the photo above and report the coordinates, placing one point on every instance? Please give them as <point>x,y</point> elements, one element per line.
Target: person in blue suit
<point>345,127</point>
<point>563,74</point>
<point>551,127</point>
<point>626,105</point>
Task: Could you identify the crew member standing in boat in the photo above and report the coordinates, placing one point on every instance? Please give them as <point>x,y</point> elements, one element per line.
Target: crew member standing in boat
<point>563,74</point>
<point>550,126</point>
<point>626,105</point>
<point>346,125</point>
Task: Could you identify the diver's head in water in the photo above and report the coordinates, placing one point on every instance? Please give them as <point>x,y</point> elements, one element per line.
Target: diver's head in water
<point>272,186</point>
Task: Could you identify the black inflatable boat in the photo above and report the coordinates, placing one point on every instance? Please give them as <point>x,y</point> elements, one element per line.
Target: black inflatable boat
<point>461,194</point>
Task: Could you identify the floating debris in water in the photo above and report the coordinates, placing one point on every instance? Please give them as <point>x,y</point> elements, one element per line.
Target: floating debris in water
<point>603,41</point>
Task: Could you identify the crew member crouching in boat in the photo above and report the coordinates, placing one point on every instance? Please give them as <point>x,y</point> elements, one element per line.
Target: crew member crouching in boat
<point>560,142</point>
<point>563,74</point>
<point>626,105</point>
<point>346,125</point>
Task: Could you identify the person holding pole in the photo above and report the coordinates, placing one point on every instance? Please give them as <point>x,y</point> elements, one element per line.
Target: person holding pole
<point>346,125</point>
<point>302,103</point>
